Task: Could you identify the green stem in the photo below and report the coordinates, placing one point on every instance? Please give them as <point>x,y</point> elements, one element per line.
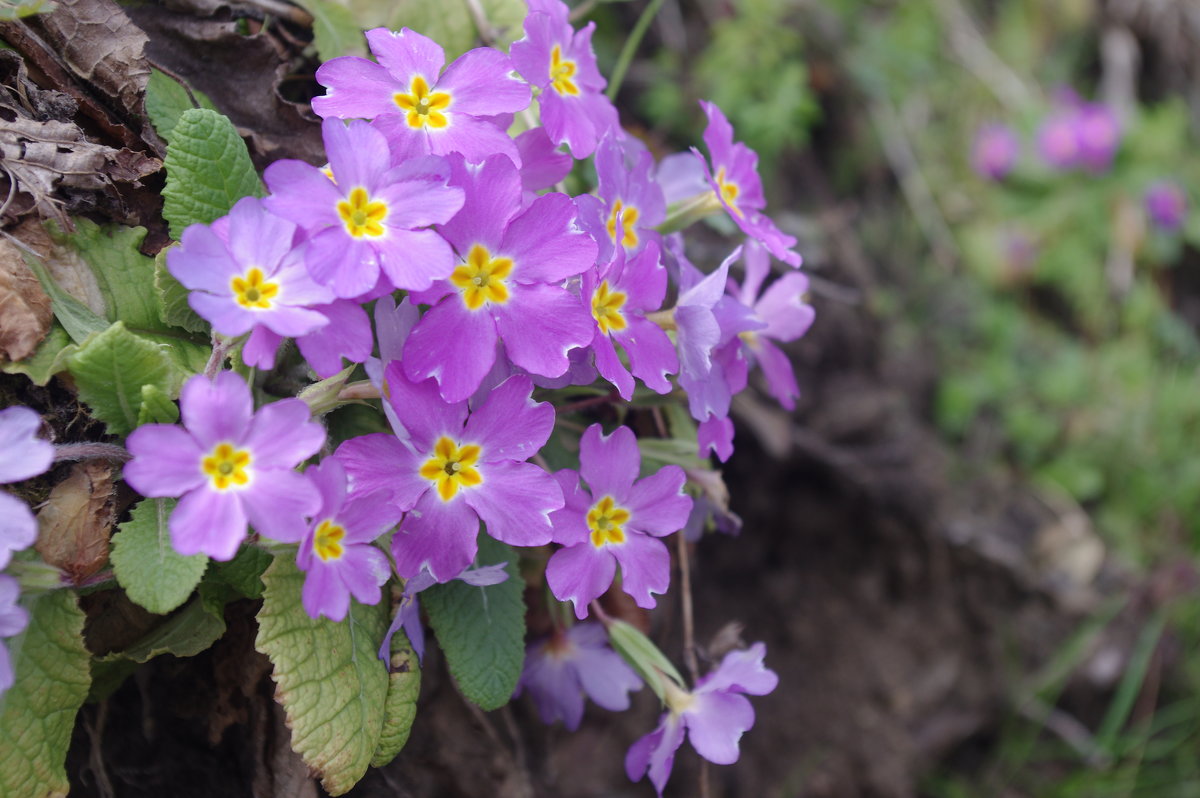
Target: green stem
<point>631,45</point>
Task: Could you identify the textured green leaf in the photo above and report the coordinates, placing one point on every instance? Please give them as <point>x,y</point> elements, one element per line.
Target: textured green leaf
<point>49,359</point>
<point>208,170</point>
<point>110,370</point>
<point>76,318</point>
<point>157,407</point>
<point>328,678</point>
<point>482,629</point>
<point>167,99</point>
<point>335,30</point>
<point>173,298</point>
<point>38,712</point>
<point>184,634</point>
<point>153,574</point>
<point>244,572</point>
<point>124,275</point>
<point>400,709</point>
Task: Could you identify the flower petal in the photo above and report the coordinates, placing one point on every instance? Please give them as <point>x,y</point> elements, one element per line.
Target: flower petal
<point>515,501</point>
<point>166,461</point>
<point>645,567</point>
<point>609,463</point>
<point>580,574</point>
<point>208,522</point>
<point>510,425</point>
<point>436,535</point>
<point>216,411</point>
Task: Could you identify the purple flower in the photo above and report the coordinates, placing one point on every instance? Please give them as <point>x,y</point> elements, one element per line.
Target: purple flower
<point>508,285</point>
<point>714,715</point>
<point>542,166</point>
<point>628,204</point>
<point>734,179</point>
<point>1057,141</point>
<point>1098,133</point>
<point>616,520</point>
<point>336,553</point>
<point>245,274</point>
<point>22,456</point>
<point>13,620</point>
<point>560,62</point>
<point>451,468</point>
<point>560,670</point>
<point>347,335</point>
<point>1166,205</point>
<point>995,151</point>
<point>620,297</point>
<point>421,109</point>
<point>408,614</point>
<point>782,308</point>
<point>364,216</point>
<point>230,465</point>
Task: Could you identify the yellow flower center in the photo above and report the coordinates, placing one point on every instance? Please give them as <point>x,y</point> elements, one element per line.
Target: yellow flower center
<point>729,191</point>
<point>561,72</point>
<point>452,467</point>
<point>252,291</point>
<point>626,216</point>
<point>605,519</point>
<point>327,541</point>
<point>362,215</point>
<point>424,108</point>
<point>481,278</point>
<point>606,308</point>
<point>227,467</point>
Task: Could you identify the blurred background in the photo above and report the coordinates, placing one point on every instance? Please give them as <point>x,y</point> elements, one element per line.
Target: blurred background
<point>972,550</point>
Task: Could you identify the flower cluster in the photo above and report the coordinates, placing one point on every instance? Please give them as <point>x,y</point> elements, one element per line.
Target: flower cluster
<point>492,288</point>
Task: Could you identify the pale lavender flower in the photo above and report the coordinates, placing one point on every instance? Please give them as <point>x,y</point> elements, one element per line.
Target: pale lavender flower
<point>230,464</point>
<point>1099,135</point>
<point>571,664</point>
<point>994,151</point>
<point>1166,205</point>
<point>618,519</point>
<point>559,61</point>
<point>336,554</point>
<point>713,716</point>
<point>22,456</point>
<point>13,620</point>
<point>628,204</point>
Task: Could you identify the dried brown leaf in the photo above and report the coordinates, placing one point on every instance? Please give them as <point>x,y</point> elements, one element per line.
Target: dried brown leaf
<point>240,74</point>
<point>77,520</point>
<point>101,45</point>
<point>25,313</point>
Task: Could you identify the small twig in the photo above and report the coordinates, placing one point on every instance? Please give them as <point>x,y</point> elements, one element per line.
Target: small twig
<point>903,160</point>
<point>91,451</point>
<point>1068,729</point>
<point>630,48</point>
<point>221,347</point>
<point>487,33</point>
<point>979,59</point>
<point>582,10</point>
<point>685,600</point>
<point>592,401</point>
<point>286,10</point>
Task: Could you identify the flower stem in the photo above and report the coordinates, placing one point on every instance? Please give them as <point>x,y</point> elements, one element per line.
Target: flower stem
<point>631,45</point>
<point>685,600</point>
<point>91,451</point>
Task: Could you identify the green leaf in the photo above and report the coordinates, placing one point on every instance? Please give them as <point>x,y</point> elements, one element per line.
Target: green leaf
<point>124,275</point>
<point>482,629</point>
<point>244,572</point>
<point>76,318</point>
<point>173,299</point>
<point>184,634</point>
<point>336,32</point>
<point>38,712</point>
<point>110,370</point>
<point>328,678</point>
<point>49,359</point>
<point>208,170</point>
<point>400,709</point>
<point>157,407</point>
<point>642,655</point>
<point>153,574</point>
<point>167,99</point>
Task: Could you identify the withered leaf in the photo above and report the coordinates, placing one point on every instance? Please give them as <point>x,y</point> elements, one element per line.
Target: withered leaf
<point>25,313</point>
<point>77,520</point>
<point>41,157</point>
<point>101,45</point>
<point>245,90</point>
